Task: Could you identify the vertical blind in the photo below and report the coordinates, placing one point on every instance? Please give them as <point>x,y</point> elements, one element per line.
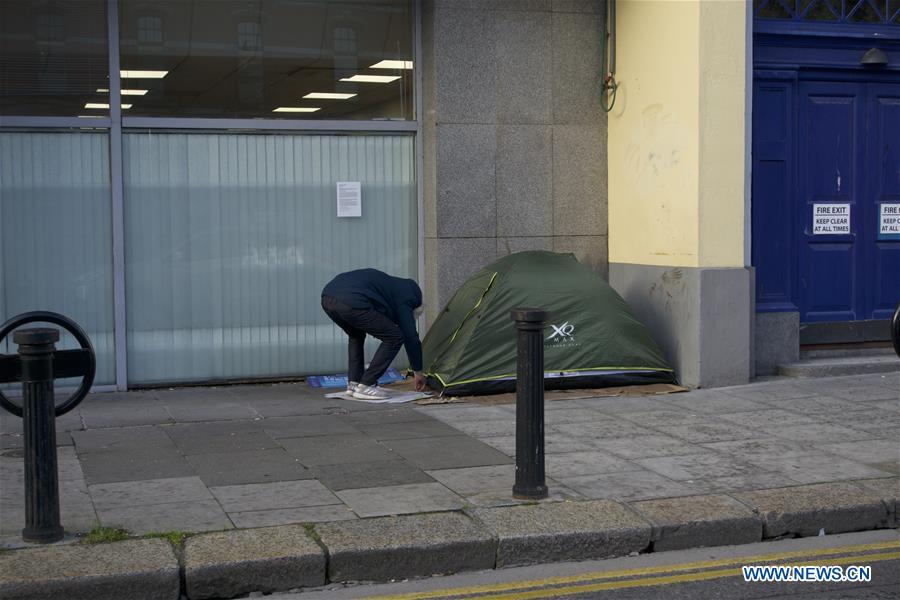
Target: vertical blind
<point>231,237</point>
<point>56,235</point>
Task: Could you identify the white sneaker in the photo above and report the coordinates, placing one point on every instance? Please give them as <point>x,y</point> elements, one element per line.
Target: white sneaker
<point>370,392</point>
<point>351,387</point>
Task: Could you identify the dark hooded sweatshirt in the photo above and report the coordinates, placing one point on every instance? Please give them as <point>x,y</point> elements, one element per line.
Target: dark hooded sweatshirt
<point>393,297</point>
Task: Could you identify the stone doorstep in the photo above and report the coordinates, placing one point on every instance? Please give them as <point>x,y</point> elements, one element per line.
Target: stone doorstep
<point>229,563</point>
<point>840,366</point>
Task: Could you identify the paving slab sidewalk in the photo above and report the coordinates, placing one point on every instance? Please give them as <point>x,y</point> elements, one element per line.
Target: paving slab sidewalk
<point>282,455</point>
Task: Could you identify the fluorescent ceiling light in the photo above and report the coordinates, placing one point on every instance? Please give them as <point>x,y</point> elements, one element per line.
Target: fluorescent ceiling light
<point>90,116</point>
<point>328,96</point>
<point>372,78</point>
<point>393,64</point>
<point>303,109</point>
<point>143,74</point>
<point>103,105</point>
<point>124,92</point>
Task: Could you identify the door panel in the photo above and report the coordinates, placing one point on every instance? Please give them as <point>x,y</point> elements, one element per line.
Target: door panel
<point>773,194</point>
<point>830,266</point>
<point>831,120</point>
<point>883,162</point>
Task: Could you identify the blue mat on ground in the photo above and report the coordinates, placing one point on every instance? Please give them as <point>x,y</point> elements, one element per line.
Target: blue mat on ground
<point>336,381</point>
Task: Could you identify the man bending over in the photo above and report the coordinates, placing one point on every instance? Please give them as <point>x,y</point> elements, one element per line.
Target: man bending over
<point>368,301</point>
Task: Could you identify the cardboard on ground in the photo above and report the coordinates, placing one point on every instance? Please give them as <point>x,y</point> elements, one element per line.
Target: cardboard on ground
<point>397,397</point>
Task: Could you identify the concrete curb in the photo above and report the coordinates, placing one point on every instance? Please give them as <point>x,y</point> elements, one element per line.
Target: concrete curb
<point>696,521</point>
<point>271,559</point>
<point>806,510</point>
<point>235,562</point>
<point>564,531</point>
<point>144,569</point>
<point>889,490</point>
<point>384,548</point>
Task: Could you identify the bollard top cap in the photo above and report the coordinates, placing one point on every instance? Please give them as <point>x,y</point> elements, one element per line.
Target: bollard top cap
<point>36,336</point>
<point>529,314</point>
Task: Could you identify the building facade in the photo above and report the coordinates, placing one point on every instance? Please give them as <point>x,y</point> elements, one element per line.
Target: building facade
<point>826,175</point>
<point>258,147</point>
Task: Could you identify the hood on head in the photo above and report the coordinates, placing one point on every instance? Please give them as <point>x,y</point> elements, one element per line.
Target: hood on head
<point>416,292</point>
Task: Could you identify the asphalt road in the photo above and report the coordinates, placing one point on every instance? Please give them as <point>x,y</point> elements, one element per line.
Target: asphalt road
<point>698,574</point>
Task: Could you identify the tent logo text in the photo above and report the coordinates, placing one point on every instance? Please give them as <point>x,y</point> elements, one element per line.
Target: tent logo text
<point>563,331</point>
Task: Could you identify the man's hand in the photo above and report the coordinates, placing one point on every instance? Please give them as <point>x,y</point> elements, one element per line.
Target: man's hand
<point>420,381</point>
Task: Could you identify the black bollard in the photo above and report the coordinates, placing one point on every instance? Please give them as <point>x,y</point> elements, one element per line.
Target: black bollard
<point>36,347</point>
<point>530,483</point>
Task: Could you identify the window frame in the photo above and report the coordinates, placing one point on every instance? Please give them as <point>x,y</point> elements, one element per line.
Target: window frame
<point>115,123</point>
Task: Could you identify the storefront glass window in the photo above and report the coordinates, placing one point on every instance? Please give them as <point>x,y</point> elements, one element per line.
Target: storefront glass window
<point>56,236</point>
<point>326,59</point>
<point>54,58</point>
<point>230,238</point>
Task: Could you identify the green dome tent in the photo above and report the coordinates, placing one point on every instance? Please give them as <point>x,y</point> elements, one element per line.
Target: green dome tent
<point>592,339</point>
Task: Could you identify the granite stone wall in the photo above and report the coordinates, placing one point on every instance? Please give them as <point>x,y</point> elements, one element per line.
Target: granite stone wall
<point>514,135</point>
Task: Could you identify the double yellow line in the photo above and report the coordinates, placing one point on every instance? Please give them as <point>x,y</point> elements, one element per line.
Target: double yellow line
<point>653,576</point>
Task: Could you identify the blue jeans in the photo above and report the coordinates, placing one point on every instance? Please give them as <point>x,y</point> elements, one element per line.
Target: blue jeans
<point>356,323</point>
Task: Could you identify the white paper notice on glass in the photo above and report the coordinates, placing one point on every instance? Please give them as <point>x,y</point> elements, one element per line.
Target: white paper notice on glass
<point>349,199</point>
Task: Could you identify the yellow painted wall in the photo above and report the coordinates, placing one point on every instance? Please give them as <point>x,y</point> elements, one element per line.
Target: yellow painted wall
<point>676,134</point>
<point>722,132</point>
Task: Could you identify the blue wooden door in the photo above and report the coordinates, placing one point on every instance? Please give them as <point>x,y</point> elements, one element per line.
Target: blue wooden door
<point>831,185</point>
<point>848,166</point>
<point>883,157</point>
